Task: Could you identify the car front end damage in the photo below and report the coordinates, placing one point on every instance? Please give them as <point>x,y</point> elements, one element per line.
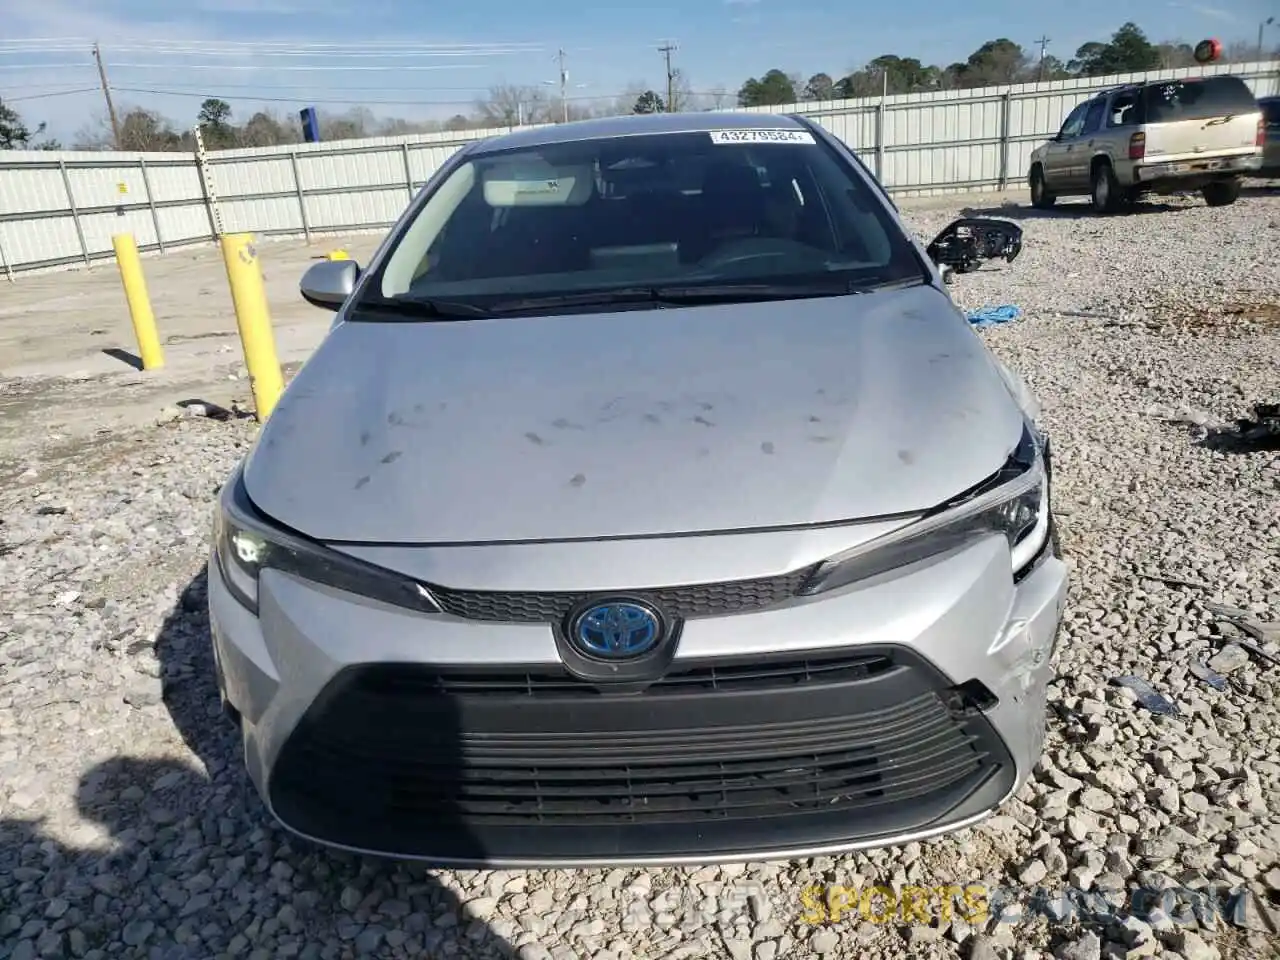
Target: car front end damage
<point>813,691</point>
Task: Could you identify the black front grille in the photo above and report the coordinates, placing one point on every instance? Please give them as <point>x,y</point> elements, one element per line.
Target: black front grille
<point>732,756</point>
<point>393,680</point>
<point>685,602</point>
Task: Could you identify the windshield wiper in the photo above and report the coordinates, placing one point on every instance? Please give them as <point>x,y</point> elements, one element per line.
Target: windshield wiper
<point>704,294</point>
<point>427,308</point>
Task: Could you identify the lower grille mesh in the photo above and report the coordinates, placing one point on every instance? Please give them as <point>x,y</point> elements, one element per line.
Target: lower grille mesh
<point>413,759</point>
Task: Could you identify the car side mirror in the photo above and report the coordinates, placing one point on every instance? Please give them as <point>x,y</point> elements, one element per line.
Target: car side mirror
<point>328,284</point>
<point>969,241</point>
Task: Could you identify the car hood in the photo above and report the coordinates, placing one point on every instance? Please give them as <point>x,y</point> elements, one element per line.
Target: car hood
<point>635,422</point>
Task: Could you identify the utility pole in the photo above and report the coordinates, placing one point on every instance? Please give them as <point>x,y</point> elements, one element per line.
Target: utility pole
<point>106,92</point>
<point>1044,42</point>
<point>564,81</point>
<point>666,50</point>
<point>1261,28</point>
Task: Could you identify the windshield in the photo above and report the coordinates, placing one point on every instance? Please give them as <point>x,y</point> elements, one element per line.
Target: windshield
<point>1197,99</point>
<point>747,207</point>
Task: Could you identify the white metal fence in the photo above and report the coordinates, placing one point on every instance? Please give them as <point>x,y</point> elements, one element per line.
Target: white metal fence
<point>61,208</point>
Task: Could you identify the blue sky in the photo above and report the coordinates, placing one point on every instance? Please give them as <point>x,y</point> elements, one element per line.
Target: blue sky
<point>195,48</point>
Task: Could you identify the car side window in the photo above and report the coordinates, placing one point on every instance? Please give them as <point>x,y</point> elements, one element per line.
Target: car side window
<point>1074,124</point>
<point>1093,118</point>
<point>1123,110</point>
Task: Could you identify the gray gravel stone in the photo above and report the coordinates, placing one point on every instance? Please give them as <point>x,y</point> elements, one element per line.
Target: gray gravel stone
<point>1088,947</point>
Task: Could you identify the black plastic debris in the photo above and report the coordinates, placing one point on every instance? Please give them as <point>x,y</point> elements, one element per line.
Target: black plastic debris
<point>1262,432</point>
<point>1247,623</point>
<point>967,242</point>
<point>1258,652</point>
<point>1148,696</point>
<point>1225,611</point>
<point>1201,671</point>
<point>1264,429</point>
<point>1169,581</point>
<point>203,408</point>
<point>1073,727</point>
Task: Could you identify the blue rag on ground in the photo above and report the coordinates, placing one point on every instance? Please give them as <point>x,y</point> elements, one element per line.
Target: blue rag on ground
<point>990,316</point>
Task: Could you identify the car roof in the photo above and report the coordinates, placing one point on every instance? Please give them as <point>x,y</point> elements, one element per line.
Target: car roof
<point>1142,84</point>
<point>608,128</point>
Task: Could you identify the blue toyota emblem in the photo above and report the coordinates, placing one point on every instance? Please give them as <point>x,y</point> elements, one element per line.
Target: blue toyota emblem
<point>616,630</point>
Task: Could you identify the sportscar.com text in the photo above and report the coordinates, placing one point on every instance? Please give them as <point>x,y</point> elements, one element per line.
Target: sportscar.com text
<point>977,903</point>
<point>884,905</point>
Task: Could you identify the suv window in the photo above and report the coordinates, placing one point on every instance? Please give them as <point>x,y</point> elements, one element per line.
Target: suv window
<point>1196,99</point>
<point>1271,111</point>
<point>1093,118</point>
<point>1123,110</point>
<point>1073,126</point>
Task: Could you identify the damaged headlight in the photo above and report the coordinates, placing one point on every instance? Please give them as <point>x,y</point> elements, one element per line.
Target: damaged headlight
<point>1013,503</point>
<point>246,543</point>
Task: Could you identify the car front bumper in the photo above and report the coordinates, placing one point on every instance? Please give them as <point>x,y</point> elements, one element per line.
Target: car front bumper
<point>893,710</point>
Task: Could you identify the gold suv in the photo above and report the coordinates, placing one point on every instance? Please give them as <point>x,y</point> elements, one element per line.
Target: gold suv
<point>1163,137</point>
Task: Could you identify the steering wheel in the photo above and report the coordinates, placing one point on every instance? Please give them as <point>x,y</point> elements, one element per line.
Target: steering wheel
<point>754,248</point>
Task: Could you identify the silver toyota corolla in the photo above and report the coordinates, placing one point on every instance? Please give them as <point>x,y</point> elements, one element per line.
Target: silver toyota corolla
<point>648,501</point>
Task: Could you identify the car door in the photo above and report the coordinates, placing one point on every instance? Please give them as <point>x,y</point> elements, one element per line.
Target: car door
<point>1057,154</point>
<point>1089,142</point>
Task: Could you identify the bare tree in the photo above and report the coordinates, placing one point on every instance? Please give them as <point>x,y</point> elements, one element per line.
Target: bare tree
<point>719,98</point>
<point>140,129</point>
<point>681,93</point>
<point>508,105</point>
<point>354,124</point>
<point>265,129</point>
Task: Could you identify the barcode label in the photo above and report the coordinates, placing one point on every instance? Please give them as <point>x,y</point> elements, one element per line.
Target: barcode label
<point>761,136</point>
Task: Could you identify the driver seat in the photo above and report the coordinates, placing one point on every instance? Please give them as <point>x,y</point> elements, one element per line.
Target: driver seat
<point>733,204</point>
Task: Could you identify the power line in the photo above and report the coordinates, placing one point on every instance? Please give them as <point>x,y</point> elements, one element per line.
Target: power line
<point>274,47</point>
<point>297,54</point>
<point>319,68</point>
<point>327,47</point>
<point>52,66</point>
<point>314,90</point>
<point>54,93</point>
<point>356,54</point>
<point>205,94</point>
<point>311,88</point>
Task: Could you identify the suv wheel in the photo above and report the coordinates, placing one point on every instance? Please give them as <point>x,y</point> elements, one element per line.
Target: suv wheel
<point>1221,193</point>
<point>1041,198</point>
<point>1105,190</point>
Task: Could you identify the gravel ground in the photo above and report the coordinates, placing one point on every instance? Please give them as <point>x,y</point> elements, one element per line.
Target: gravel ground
<point>127,828</point>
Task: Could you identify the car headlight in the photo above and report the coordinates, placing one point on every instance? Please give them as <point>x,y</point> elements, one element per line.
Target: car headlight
<point>1013,503</point>
<point>246,543</point>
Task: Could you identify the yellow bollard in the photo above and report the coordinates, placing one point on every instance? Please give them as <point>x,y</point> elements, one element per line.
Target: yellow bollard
<point>135,291</point>
<point>337,255</point>
<point>244,273</point>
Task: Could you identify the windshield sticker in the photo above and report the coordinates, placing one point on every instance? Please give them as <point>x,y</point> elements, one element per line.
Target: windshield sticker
<point>761,136</point>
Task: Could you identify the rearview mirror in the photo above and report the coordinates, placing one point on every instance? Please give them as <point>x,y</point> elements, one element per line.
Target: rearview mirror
<point>328,283</point>
<point>967,242</point>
